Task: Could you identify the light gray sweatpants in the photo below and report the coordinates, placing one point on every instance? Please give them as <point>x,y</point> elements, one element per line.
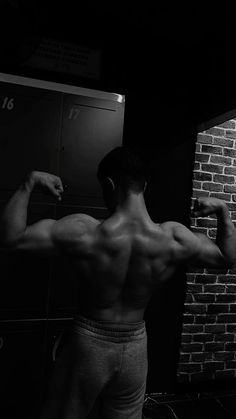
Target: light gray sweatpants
<point>102,360</point>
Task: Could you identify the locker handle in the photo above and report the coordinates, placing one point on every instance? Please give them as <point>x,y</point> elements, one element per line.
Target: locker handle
<point>1,343</point>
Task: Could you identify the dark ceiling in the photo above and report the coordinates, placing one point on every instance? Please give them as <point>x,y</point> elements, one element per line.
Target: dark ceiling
<point>182,59</point>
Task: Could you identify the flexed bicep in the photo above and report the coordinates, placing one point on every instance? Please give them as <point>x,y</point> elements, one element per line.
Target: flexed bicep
<point>196,249</point>
<point>208,255</point>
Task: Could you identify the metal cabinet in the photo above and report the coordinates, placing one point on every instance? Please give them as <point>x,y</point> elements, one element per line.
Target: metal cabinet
<point>64,130</point>
<point>21,366</point>
<point>29,132</point>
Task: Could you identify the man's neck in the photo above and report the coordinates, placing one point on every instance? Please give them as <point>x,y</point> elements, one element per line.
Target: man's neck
<point>132,205</point>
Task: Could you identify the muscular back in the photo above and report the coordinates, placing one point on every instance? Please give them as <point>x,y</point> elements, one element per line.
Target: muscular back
<point>118,264</point>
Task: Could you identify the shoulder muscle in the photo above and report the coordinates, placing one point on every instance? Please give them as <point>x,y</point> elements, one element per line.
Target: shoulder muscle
<point>185,243</point>
<point>72,227</point>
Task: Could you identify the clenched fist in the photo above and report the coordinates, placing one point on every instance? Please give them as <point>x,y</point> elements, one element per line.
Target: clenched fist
<point>207,206</point>
<point>47,182</point>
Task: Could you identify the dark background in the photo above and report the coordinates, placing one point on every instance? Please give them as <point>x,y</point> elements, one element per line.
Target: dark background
<point>175,66</point>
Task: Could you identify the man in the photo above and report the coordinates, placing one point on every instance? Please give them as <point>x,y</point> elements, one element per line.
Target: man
<point>119,262</point>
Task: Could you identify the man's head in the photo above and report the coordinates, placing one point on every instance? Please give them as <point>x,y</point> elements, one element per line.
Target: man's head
<point>121,172</point>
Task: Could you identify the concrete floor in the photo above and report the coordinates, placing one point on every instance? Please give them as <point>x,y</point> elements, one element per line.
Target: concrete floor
<point>187,404</point>
<point>207,405</point>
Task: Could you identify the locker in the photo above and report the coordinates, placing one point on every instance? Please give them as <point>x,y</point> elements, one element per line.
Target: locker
<point>25,277</point>
<point>29,132</point>
<point>51,127</point>
<point>91,128</point>
<point>21,362</point>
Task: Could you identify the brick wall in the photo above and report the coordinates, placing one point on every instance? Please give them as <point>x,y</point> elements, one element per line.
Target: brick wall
<point>208,349</point>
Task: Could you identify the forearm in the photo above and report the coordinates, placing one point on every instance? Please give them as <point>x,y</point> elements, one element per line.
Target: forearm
<point>13,219</point>
<point>226,234</point>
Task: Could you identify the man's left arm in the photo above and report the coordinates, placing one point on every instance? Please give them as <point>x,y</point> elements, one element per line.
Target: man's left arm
<point>15,234</point>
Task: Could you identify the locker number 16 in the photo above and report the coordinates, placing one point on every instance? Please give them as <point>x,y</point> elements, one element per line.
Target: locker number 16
<point>8,103</point>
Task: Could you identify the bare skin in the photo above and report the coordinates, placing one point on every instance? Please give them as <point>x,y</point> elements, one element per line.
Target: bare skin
<point>120,261</point>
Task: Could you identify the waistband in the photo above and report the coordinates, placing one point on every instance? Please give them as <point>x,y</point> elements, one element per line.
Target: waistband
<point>110,329</point>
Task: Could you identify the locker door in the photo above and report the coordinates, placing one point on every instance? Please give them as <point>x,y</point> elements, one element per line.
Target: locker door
<point>21,366</point>
<point>29,140</point>
<point>91,128</point>
<point>29,132</point>
<point>25,277</point>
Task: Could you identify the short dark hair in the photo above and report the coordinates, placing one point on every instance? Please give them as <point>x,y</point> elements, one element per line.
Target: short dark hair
<point>125,167</point>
